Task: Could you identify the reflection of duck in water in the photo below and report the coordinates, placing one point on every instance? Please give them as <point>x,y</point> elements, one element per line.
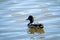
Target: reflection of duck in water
<point>35,27</point>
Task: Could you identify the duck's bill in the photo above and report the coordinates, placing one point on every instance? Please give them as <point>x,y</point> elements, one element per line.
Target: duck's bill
<point>26,19</point>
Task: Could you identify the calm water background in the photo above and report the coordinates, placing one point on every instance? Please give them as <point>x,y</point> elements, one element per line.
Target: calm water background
<point>13,13</point>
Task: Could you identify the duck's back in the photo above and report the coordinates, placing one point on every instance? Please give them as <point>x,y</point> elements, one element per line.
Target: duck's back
<point>36,25</point>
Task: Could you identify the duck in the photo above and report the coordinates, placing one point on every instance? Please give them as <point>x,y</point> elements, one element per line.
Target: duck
<point>33,24</point>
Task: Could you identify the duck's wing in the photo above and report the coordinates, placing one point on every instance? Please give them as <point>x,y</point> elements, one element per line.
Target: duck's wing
<point>35,23</point>
<point>38,24</point>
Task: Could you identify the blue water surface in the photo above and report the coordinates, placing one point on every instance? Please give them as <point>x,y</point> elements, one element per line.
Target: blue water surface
<point>13,13</point>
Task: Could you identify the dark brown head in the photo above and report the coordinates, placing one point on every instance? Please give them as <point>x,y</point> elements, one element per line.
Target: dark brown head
<point>31,19</point>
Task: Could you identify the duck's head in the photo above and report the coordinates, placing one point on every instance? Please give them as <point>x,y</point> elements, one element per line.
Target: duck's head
<point>30,18</point>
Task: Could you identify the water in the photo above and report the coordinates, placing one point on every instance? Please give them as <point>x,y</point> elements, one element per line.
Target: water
<point>13,13</point>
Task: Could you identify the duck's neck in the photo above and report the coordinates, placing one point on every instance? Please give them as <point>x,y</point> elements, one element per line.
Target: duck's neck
<point>31,21</point>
